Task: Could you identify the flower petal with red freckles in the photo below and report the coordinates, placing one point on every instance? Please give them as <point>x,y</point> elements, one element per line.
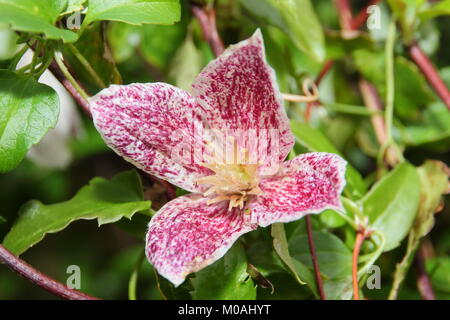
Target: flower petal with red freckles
<point>310,183</point>
<point>147,123</point>
<point>238,92</point>
<point>187,235</point>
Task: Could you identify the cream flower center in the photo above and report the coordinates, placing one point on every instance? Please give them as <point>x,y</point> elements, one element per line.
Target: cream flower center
<point>234,182</point>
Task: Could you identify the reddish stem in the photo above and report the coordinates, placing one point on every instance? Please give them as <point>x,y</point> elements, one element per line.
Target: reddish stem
<point>373,103</point>
<point>315,261</point>
<point>430,73</point>
<point>216,41</point>
<point>45,282</point>
<point>360,236</point>
<point>326,68</point>
<point>362,16</point>
<point>54,68</point>
<point>207,20</point>
<point>423,281</point>
<point>345,14</point>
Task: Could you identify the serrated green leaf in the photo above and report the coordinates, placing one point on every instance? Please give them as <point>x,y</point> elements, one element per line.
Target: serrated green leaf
<point>391,205</point>
<point>226,279</point>
<point>105,200</point>
<point>134,11</point>
<point>36,16</point>
<point>334,261</point>
<point>28,109</point>
<point>296,18</point>
<point>314,140</point>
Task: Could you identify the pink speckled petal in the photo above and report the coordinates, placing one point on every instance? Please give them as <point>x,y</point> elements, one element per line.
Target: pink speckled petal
<point>187,235</point>
<point>310,183</point>
<point>156,127</point>
<point>238,92</point>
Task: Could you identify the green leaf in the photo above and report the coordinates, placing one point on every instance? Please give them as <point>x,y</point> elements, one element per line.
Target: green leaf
<point>440,8</point>
<point>261,255</point>
<point>296,18</point>
<point>73,6</point>
<point>433,126</point>
<point>331,219</point>
<point>314,140</point>
<point>134,11</point>
<point>225,279</point>
<point>169,292</point>
<point>369,63</point>
<point>391,205</point>
<point>2,220</point>
<point>338,46</point>
<point>433,184</point>
<point>28,109</point>
<point>411,90</point>
<point>334,261</point>
<point>258,278</point>
<point>186,65</point>
<point>105,200</point>
<point>159,43</point>
<point>8,39</point>
<point>285,289</point>
<point>35,16</point>
<point>281,247</point>
<point>93,47</point>
<point>439,271</point>
<point>405,11</point>
<point>123,39</point>
<point>349,109</point>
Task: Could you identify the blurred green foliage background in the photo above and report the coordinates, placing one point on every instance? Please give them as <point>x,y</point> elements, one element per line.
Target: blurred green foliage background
<point>175,54</point>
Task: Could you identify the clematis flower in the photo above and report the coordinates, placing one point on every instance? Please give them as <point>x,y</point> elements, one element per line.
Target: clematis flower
<point>239,136</point>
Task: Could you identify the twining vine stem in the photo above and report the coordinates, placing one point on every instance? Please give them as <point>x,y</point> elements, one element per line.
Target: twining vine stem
<point>85,63</point>
<point>360,237</point>
<point>430,73</point>
<point>207,19</point>
<point>315,260</point>
<point>58,73</point>
<point>423,281</point>
<point>45,282</point>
